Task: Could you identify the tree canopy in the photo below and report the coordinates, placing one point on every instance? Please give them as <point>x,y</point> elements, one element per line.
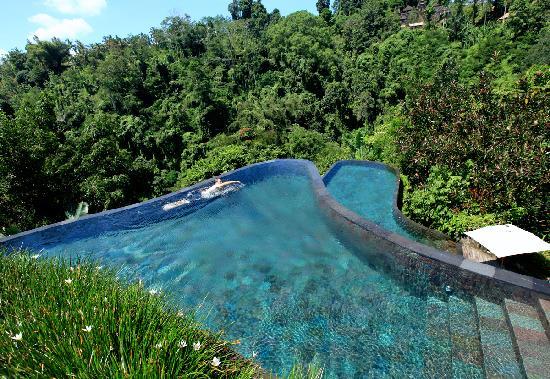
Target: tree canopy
<point>126,119</point>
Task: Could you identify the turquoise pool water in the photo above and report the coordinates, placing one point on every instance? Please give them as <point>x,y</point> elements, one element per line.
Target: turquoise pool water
<point>264,267</point>
<point>369,191</point>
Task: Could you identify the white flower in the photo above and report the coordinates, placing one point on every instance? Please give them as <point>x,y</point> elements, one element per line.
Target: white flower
<point>158,345</point>
<point>68,281</point>
<point>197,345</point>
<point>180,314</point>
<point>71,268</point>
<point>182,344</point>
<point>154,292</point>
<point>254,354</point>
<point>88,328</point>
<point>99,267</point>
<point>35,256</point>
<point>216,362</point>
<point>17,337</point>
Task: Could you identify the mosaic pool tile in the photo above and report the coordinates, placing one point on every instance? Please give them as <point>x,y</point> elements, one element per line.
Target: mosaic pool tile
<point>499,357</point>
<point>466,347</point>
<point>531,339</point>
<point>437,356</point>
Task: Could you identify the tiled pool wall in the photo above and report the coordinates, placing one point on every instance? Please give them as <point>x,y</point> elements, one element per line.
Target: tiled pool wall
<point>408,261</point>
<point>415,264</point>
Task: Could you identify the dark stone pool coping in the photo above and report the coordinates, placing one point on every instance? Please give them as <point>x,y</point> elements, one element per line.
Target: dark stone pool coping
<point>474,273</point>
<point>434,237</point>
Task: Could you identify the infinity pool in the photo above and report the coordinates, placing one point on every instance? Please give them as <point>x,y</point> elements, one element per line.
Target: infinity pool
<point>263,265</point>
<point>370,191</point>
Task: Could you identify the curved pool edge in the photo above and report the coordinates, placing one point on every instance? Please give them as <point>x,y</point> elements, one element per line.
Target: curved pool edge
<point>159,199</point>
<point>472,274</point>
<point>407,223</point>
<point>452,261</point>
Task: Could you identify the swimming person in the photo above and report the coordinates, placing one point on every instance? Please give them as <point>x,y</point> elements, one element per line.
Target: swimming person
<point>175,204</point>
<point>218,186</point>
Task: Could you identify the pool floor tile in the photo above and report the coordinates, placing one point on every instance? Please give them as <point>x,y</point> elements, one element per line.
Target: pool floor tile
<point>499,357</point>
<point>437,355</point>
<point>466,346</point>
<point>531,339</point>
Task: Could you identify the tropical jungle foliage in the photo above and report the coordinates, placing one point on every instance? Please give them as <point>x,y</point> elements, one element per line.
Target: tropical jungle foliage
<point>460,105</point>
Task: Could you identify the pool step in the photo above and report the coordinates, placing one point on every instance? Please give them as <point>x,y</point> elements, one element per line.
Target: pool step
<point>531,338</point>
<point>467,358</point>
<point>437,356</point>
<point>499,357</point>
<point>544,307</point>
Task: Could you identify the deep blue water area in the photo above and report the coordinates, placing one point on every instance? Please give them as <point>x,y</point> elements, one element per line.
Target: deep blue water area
<point>263,265</point>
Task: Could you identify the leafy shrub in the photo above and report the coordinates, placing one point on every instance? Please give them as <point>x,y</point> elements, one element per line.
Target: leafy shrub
<point>330,154</point>
<point>463,221</point>
<point>304,144</point>
<point>222,159</point>
<point>379,142</point>
<point>504,139</point>
<point>439,200</point>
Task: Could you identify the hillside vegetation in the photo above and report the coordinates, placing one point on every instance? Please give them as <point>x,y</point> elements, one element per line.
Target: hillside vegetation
<point>460,105</point>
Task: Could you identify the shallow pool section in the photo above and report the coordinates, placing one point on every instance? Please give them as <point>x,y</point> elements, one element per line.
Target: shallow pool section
<point>263,264</point>
<point>369,191</point>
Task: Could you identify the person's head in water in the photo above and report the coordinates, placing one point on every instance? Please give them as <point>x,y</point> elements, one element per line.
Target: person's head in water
<point>218,180</point>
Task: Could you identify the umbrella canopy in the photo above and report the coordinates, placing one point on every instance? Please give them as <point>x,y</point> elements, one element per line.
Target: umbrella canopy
<point>507,240</point>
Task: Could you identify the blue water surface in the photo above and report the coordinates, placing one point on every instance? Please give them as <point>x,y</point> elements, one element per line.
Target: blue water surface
<point>263,266</point>
<point>369,191</point>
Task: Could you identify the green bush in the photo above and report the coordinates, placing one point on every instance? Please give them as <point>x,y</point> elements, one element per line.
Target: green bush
<point>445,203</point>
<point>461,222</point>
<point>312,145</point>
<point>377,143</point>
<point>219,160</point>
<point>496,143</point>
<point>329,154</point>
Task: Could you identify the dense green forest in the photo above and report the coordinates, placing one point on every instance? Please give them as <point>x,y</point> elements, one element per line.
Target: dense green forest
<point>460,105</point>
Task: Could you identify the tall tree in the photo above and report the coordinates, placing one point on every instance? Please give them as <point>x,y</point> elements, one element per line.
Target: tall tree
<point>322,5</point>
<point>241,9</point>
<point>371,23</point>
<point>45,57</point>
<point>347,7</point>
<point>457,22</point>
<point>475,10</point>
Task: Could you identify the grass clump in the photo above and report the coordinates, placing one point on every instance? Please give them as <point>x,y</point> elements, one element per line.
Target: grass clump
<point>58,320</point>
<point>312,371</point>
